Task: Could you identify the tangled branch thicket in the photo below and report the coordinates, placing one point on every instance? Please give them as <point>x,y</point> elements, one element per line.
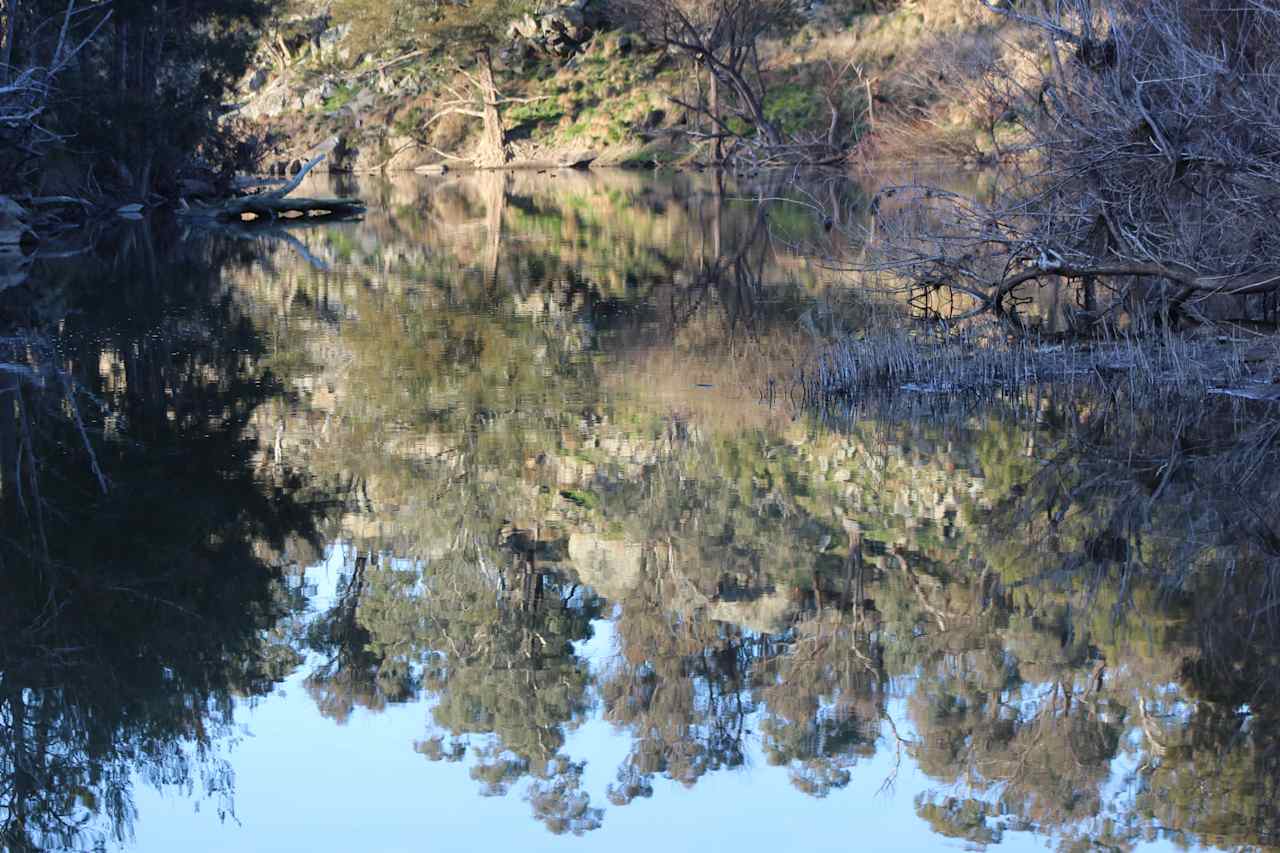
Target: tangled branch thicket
<point>722,39</point>
<point>1151,173</point>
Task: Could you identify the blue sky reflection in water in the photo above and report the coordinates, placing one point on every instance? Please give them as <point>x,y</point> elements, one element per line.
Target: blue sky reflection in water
<point>494,527</point>
<point>295,789</point>
<point>305,784</point>
<point>293,792</point>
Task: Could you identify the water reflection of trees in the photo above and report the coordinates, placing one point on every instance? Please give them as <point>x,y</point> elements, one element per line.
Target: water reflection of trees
<point>1160,517</point>
<point>1026,684</point>
<point>1063,615</point>
<point>1072,606</point>
<point>136,614</point>
<point>492,644</point>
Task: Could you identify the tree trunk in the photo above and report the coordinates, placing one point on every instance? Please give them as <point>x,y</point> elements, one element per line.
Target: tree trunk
<point>492,152</point>
<point>753,101</point>
<point>715,114</point>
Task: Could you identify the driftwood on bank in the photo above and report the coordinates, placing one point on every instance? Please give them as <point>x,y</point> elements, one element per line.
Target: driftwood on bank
<point>267,209</point>
<point>275,205</point>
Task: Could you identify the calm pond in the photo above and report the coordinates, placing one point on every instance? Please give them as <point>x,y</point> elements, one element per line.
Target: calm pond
<point>493,521</point>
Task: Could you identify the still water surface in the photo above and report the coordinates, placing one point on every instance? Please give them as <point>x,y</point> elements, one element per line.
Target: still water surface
<point>490,522</point>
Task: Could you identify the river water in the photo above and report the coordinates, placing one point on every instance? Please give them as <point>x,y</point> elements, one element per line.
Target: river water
<point>494,521</point>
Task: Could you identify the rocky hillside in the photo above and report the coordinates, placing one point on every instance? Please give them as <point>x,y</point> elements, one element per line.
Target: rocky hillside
<point>579,88</point>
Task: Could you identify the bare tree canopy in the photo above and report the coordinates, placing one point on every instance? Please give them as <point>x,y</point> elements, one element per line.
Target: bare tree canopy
<point>721,38</point>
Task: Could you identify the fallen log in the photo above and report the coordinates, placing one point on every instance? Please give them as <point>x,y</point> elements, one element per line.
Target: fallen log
<point>322,151</point>
<point>275,205</point>
<point>1191,283</point>
<point>269,209</point>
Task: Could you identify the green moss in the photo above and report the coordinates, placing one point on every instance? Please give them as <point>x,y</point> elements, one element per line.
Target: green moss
<point>535,112</point>
<point>338,99</point>
<point>794,221</point>
<point>738,126</point>
<point>650,155</point>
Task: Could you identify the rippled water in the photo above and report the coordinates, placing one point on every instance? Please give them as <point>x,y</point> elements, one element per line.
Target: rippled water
<point>492,521</point>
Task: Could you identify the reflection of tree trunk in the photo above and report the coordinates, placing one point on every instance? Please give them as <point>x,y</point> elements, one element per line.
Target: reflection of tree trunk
<point>348,625</point>
<point>853,566</point>
<point>15,828</point>
<point>1089,294</point>
<point>921,595</point>
<point>495,203</point>
<point>492,152</point>
<point>716,210</point>
<point>1151,730</point>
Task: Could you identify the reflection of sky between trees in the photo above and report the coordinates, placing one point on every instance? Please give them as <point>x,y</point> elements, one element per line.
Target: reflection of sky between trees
<point>283,732</point>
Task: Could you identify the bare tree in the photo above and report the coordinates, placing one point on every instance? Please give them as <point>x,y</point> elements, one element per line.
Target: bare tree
<point>1151,176</point>
<point>483,101</point>
<point>722,39</point>
<point>25,92</point>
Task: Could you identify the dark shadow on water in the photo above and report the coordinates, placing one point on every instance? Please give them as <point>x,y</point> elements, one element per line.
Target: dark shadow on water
<point>137,613</point>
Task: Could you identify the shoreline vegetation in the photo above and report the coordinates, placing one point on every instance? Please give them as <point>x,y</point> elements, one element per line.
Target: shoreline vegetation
<point>1131,145</point>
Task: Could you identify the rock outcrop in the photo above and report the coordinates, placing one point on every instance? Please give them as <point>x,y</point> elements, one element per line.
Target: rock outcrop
<point>15,225</point>
<point>15,229</point>
<point>559,30</point>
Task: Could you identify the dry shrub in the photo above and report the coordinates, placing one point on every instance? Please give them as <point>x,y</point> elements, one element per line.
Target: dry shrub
<point>451,131</point>
<point>1153,129</point>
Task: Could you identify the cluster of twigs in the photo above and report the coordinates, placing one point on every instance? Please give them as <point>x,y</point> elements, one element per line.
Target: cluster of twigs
<point>1150,175</point>
<point>25,92</point>
<point>722,40</point>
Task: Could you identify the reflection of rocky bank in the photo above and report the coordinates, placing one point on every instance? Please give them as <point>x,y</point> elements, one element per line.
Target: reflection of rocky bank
<point>470,355</point>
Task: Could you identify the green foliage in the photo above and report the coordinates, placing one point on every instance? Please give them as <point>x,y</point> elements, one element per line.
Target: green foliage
<point>534,112</point>
<point>156,74</point>
<point>794,108</point>
<point>774,583</point>
<point>964,819</point>
<point>339,99</point>
<point>409,122</point>
<point>109,678</point>
<point>385,28</point>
